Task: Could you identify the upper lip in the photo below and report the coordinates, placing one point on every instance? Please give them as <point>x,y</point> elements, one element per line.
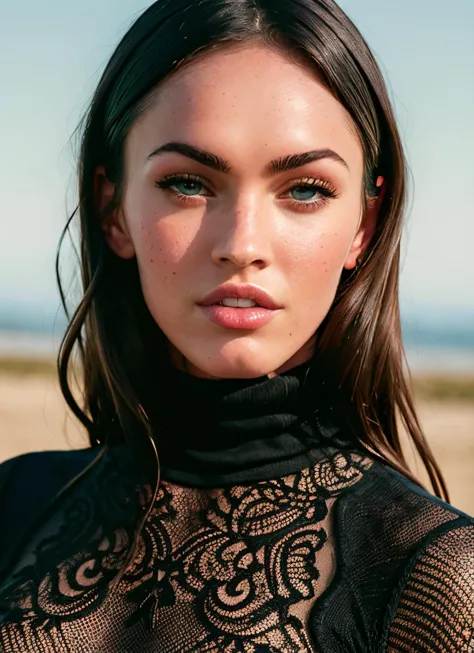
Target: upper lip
<point>244,291</point>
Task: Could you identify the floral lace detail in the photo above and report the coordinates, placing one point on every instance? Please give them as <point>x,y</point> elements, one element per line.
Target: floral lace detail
<point>233,570</point>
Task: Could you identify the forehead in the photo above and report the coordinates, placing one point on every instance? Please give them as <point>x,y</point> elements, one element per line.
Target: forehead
<point>251,101</point>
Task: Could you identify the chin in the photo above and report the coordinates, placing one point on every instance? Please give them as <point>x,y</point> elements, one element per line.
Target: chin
<point>235,360</point>
<point>223,368</point>
<point>241,371</point>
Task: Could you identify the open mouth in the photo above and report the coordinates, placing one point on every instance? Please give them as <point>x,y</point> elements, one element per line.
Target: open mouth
<point>234,302</point>
<point>243,296</point>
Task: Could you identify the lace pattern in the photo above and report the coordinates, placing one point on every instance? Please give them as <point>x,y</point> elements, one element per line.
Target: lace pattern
<point>228,570</point>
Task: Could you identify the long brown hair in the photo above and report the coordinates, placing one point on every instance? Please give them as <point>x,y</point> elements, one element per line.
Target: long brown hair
<point>360,339</point>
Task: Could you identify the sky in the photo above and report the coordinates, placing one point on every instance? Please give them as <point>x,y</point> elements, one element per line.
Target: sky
<point>52,53</point>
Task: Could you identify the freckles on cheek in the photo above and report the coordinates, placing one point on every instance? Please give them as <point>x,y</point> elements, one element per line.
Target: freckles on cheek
<point>160,253</point>
<point>319,257</point>
<point>156,241</point>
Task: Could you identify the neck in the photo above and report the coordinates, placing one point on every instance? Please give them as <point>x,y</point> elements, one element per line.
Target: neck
<point>214,433</point>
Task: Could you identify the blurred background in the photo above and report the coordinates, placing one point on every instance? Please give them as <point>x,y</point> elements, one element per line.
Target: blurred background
<point>51,56</point>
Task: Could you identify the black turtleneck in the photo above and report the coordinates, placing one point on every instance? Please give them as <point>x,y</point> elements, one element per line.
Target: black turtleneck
<point>215,433</point>
<point>302,545</point>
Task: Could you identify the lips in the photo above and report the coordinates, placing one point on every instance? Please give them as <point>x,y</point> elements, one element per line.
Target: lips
<point>248,291</point>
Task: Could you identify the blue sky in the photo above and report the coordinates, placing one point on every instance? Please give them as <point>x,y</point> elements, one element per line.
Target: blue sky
<point>51,54</point>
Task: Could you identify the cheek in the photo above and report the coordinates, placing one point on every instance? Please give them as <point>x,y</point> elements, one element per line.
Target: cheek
<point>162,251</point>
<point>163,246</point>
<point>314,263</point>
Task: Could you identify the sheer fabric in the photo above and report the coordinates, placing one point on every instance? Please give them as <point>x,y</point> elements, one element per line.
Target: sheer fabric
<point>271,533</point>
<point>345,555</point>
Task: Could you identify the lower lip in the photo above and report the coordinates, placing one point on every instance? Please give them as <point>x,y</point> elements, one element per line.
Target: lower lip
<point>239,318</point>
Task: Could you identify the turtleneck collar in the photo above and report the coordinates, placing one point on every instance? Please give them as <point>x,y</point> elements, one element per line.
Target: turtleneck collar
<point>216,433</point>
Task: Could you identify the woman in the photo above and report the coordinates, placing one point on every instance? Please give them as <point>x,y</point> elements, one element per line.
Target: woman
<point>241,197</point>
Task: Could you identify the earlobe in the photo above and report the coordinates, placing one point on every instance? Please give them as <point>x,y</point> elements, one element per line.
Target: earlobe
<point>117,236</point>
<point>357,247</point>
<point>366,228</point>
<point>113,222</point>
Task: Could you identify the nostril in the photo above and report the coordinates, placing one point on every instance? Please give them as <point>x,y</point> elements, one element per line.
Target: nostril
<point>240,260</point>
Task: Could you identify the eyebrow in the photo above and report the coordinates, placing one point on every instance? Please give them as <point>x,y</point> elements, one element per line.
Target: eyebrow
<point>276,166</point>
<point>206,158</point>
<point>297,160</point>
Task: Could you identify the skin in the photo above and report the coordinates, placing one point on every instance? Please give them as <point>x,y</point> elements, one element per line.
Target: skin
<point>248,105</point>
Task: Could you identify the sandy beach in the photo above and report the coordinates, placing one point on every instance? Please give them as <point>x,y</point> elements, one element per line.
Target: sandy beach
<point>33,417</point>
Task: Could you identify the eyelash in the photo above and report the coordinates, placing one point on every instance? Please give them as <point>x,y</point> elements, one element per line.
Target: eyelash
<point>169,181</point>
<point>326,192</point>
<point>325,189</point>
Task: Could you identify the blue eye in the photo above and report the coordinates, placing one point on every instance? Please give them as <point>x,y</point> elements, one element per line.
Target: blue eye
<point>183,186</point>
<point>188,187</point>
<point>304,193</point>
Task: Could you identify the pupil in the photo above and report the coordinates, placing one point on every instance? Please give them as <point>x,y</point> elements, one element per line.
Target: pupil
<point>189,187</point>
<point>303,193</point>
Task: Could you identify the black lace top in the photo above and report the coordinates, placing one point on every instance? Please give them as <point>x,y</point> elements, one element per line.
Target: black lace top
<point>271,532</point>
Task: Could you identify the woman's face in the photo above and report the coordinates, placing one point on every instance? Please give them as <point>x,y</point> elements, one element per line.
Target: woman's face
<point>242,203</point>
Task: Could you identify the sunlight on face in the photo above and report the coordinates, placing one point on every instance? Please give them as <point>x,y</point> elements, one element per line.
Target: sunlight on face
<point>245,170</point>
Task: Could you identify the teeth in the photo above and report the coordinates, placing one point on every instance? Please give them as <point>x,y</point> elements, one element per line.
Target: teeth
<point>232,302</point>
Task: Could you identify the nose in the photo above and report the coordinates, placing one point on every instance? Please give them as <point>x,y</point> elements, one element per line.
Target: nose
<point>244,239</point>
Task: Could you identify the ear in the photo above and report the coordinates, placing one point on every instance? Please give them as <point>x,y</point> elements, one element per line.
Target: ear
<point>366,228</point>
<point>113,224</point>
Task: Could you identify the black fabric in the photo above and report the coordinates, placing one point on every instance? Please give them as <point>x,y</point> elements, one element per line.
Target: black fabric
<point>381,527</point>
<point>218,433</point>
<point>342,555</point>
<point>57,469</point>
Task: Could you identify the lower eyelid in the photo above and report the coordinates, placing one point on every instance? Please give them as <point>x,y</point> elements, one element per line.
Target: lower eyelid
<point>307,206</point>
